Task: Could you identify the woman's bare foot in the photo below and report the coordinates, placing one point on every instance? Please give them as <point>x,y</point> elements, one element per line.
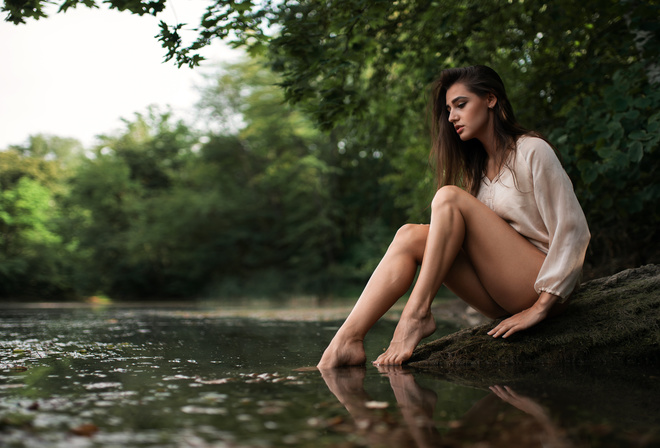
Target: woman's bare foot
<point>343,352</point>
<point>409,331</point>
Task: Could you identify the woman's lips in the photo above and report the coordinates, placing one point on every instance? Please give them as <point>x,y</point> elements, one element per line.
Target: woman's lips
<point>459,129</point>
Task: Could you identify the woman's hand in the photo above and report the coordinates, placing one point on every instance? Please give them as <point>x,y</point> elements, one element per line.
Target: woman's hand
<point>526,318</point>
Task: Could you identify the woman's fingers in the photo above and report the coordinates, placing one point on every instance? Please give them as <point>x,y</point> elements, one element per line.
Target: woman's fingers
<point>515,323</point>
<point>503,328</point>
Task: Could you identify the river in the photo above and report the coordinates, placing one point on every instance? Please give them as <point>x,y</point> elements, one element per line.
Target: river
<point>210,376</point>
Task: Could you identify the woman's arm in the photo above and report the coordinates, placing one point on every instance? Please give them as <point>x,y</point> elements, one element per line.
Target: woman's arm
<point>562,217</point>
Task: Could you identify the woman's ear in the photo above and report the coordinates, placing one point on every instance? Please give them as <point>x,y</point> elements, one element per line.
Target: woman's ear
<point>492,100</point>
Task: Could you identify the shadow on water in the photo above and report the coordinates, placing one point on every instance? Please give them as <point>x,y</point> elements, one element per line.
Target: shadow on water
<point>192,377</point>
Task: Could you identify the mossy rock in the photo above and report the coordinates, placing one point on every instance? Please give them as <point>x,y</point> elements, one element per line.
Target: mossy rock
<point>611,321</point>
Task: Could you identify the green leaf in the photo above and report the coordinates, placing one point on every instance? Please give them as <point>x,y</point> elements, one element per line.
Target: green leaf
<point>620,104</point>
<point>631,114</point>
<point>636,152</point>
<point>588,171</point>
<point>639,135</point>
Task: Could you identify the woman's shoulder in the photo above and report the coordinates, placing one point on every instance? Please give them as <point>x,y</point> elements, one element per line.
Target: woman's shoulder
<point>530,146</point>
<point>531,142</point>
<point>537,153</point>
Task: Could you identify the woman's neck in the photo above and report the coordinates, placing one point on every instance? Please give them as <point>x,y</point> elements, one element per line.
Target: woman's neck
<point>489,141</point>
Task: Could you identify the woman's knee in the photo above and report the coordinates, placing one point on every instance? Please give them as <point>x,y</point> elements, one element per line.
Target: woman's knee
<point>412,238</point>
<point>447,196</point>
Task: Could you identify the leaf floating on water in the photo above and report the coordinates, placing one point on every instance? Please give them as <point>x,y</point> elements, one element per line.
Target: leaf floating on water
<point>314,422</point>
<point>106,385</point>
<point>85,430</point>
<point>203,410</point>
<point>177,377</point>
<point>376,404</point>
<point>11,386</point>
<point>218,381</point>
<point>334,421</point>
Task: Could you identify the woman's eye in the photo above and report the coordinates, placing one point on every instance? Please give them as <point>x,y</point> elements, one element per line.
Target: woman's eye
<point>461,105</point>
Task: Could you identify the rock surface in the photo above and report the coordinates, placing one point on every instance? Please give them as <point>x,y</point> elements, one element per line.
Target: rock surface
<point>612,321</point>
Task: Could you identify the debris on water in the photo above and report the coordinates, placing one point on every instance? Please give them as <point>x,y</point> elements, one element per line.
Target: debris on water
<point>203,410</point>
<point>376,404</point>
<point>306,369</point>
<point>107,385</point>
<point>11,386</point>
<point>85,430</point>
<point>217,381</point>
<point>178,377</point>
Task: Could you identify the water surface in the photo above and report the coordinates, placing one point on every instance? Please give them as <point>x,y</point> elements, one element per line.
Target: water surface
<point>200,377</point>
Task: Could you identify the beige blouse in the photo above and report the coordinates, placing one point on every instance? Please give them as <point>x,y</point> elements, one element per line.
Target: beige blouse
<point>541,205</point>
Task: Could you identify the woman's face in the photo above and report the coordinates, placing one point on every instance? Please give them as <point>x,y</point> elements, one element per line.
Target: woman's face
<point>469,113</point>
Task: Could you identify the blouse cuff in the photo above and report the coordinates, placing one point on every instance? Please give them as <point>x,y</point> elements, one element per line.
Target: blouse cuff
<point>562,297</point>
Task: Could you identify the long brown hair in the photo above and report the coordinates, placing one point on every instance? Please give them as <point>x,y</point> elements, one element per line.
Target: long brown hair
<point>464,163</point>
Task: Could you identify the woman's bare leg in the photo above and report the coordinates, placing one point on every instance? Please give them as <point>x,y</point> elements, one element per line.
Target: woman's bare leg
<point>493,268</point>
<point>391,279</point>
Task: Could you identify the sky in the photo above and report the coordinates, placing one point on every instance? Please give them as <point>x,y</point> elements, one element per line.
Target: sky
<point>77,74</point>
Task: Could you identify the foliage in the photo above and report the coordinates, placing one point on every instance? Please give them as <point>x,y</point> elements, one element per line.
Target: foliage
<point>34,252</point>
<point>615,163</point>
<point>119,189</point>
<point>267,205</point>
<point>19,10</point>
<point>306,169</point>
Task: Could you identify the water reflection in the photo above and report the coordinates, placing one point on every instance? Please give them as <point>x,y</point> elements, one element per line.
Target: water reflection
<point>131,377</point>
<point>495,420</point>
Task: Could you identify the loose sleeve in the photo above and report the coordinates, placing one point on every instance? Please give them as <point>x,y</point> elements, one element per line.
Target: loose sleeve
<point>564,219</point>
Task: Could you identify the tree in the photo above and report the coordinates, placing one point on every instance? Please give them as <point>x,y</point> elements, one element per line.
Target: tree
<point>35,253</point>
<point>118,192</point>
<point>307,197</point>
<point>364,66</point>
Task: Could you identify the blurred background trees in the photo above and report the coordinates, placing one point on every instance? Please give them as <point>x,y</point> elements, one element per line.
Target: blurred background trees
<point>314,150</point>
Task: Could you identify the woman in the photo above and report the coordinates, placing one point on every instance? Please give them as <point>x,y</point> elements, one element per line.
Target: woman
<point>512,243</point>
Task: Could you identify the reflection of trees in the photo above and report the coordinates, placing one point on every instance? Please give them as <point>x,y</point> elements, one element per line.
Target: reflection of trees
<point>502,418</point>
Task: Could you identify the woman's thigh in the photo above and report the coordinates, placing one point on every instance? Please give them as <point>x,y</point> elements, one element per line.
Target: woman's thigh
<point>501,260</point>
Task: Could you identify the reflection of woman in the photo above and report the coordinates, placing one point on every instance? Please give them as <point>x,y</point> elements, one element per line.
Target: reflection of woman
<point>415,403</point>
<point>488,421</point>
<point>512,243</point>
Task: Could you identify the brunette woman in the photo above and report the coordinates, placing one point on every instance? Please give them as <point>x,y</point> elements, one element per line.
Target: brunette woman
<point>507,234</point>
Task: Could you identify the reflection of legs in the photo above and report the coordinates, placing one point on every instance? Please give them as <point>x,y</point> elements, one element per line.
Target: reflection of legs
<point>551,434</point>
<point>347,384</point>
<point>492,420</point>
<point>484,260</point>
<point>417,405</point>
<point>391,279</point>
<point>377,426</point>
